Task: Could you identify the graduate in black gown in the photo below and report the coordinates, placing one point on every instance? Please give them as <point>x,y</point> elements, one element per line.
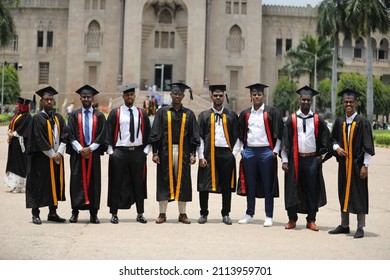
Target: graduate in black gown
<point>86,144</point>
<point>15,172</point>
<point>47,140</point>
<point>218,129</point>
<point>128,130</point>
<point>353,147</point>
<point>175,138</point>
<point>306,139</point>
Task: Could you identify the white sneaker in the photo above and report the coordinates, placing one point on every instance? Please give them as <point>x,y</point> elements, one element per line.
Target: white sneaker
<point>246,219</point>
<point>268,222</point>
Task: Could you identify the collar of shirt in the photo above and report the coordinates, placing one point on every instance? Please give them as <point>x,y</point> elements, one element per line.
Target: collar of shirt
<point>83,109</point>
<point>350,119</point>
<point>299,113</point>
<point>260,110</point>
<point>217,112</point>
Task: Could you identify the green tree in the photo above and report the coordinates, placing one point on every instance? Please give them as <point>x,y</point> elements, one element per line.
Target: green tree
<point>330,23</point>
<point>11,84</point>
<point>7,26</point>
<point>324,97</point>
<point>309,53</point>
<point>363,18</point>
<point>285,97</point>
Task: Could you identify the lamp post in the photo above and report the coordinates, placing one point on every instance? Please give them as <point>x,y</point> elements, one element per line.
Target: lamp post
<point>162,81</point>
<point>315,75</point>
<point>2,88</point>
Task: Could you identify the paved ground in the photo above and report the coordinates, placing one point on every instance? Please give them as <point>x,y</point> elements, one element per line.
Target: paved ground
<point>20,239</point>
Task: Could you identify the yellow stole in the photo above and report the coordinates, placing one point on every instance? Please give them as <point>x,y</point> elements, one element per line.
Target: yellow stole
<point>212,148</point>
<point>170,156</point>
<point>52,175</point>
<point>13,123</point>
<point>348,161</point>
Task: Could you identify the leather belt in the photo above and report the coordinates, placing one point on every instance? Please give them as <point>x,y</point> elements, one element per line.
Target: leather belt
<point>307,154</point>
<point>132,148</point>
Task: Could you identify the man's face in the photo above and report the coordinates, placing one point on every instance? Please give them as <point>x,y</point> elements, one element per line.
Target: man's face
<point>349,105</point>
<point>257,97</point>
<point>129,98</point>
<point>177,96</point>
<point>217,97</point>
<point>305,102</point>
<point>48,102</point>
<point>86,99</point>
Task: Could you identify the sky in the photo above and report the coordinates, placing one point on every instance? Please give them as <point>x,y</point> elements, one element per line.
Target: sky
<point>301,3</point>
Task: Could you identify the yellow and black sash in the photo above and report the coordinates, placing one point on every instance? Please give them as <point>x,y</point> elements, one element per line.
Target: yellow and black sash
<point>52,175</point>
<point>14,120</point>
<point>348,160</point>
<point>212,148</point>
<point>170,156</point>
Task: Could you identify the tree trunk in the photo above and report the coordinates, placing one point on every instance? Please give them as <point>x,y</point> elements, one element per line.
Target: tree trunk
<point>370,99</point>
<point>334,77</point>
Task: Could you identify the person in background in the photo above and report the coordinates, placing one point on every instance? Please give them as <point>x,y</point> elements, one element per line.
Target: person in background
<point>353,146</point>
<point>306,139</point>
<point>47,140</point>
<point>86,144</point>
<point>15,172</point>
<point>174,138</point>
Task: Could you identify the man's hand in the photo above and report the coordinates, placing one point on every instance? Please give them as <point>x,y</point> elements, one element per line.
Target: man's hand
<point>156,159</point>
<point>363,172</point>
<point>340,151</point>
<point>10,135</point>
<point>192,159</point>
<point>86,152</point>
<point>202,163</point>
<point>285,167</point>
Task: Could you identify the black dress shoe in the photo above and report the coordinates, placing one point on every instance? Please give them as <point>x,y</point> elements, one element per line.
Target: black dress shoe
<point>359,233</point>
<point>74,218</point>
<point>55,218</point>
<point>339,230</point>
<point>114,219</point>
<point>141,219</point>
<point>94,219</point>
<point>226,220</point>
<point>202,219</point>
<point>184,219</point>
<point>36,220</point>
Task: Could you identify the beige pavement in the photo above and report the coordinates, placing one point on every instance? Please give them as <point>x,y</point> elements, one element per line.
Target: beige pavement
<point>21,239</point>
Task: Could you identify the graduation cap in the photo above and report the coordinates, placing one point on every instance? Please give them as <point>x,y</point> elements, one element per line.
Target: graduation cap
<point>221,88</point>
<point>348,93</point>
<point>180,87</point>
<point>23,101</point>
<point>46,91</point>
<point>87,89</point>
<point>129,88</point>
<point>306,90</point>
<point>257,87</point>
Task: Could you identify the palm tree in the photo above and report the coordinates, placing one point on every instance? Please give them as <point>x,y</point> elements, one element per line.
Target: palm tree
<point>309,54</point>
<point>7,27</point>
<point>330,23</point>
<point>363,18</point>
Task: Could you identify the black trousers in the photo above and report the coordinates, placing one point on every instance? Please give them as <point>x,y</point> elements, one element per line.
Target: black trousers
<point>224,164</point>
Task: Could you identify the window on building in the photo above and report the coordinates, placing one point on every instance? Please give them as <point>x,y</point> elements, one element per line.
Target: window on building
<point>13,46</point>
<point>165,17</point>
<point>288,44</point>
<point>234,80</point>
<point>93,36</point>
<point>165,39</point>
<point>95,4</point>
<point>40,39</point>
<point>43,73</point>
<point>243,7</point>
<point>102,4</point>
<point>357,53</point>
<point>228,7</point>
<point>235,41</point>
<point>172,40</point>
<point>87,4</point>
<point>382,54</point>
<point>49,42</point>
<point>236,7</point>
<point>156,39</point>
<point>92,75</point>
<point>279,43</point>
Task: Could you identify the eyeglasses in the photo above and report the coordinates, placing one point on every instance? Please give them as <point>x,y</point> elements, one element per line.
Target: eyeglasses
<point>178,94</point>
<point>48,99</point>
<point>256,94</point>
<point>86,97</point>
<point>218,95</point>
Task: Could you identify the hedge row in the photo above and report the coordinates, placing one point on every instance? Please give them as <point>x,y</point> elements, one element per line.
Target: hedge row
<point>382,138</point>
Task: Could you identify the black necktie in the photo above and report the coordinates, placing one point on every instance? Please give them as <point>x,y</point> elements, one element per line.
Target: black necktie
<point>347,130</point>
<point>218,117</point>
<point>131,126</point>
<point>304,122</point>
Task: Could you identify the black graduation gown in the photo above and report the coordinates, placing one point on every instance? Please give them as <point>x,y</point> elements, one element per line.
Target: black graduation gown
<point>293,194</point>
<point>77,192</point>
<point>276,125</point>
<point>17,160</point>
<point>159,140</point>
<point>204,174</point>
<point>39,189</point>
<point>362,142</point>
<point>118,188</point>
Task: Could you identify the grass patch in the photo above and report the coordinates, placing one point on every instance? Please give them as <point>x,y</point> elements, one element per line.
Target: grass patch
<point>382,137</point>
